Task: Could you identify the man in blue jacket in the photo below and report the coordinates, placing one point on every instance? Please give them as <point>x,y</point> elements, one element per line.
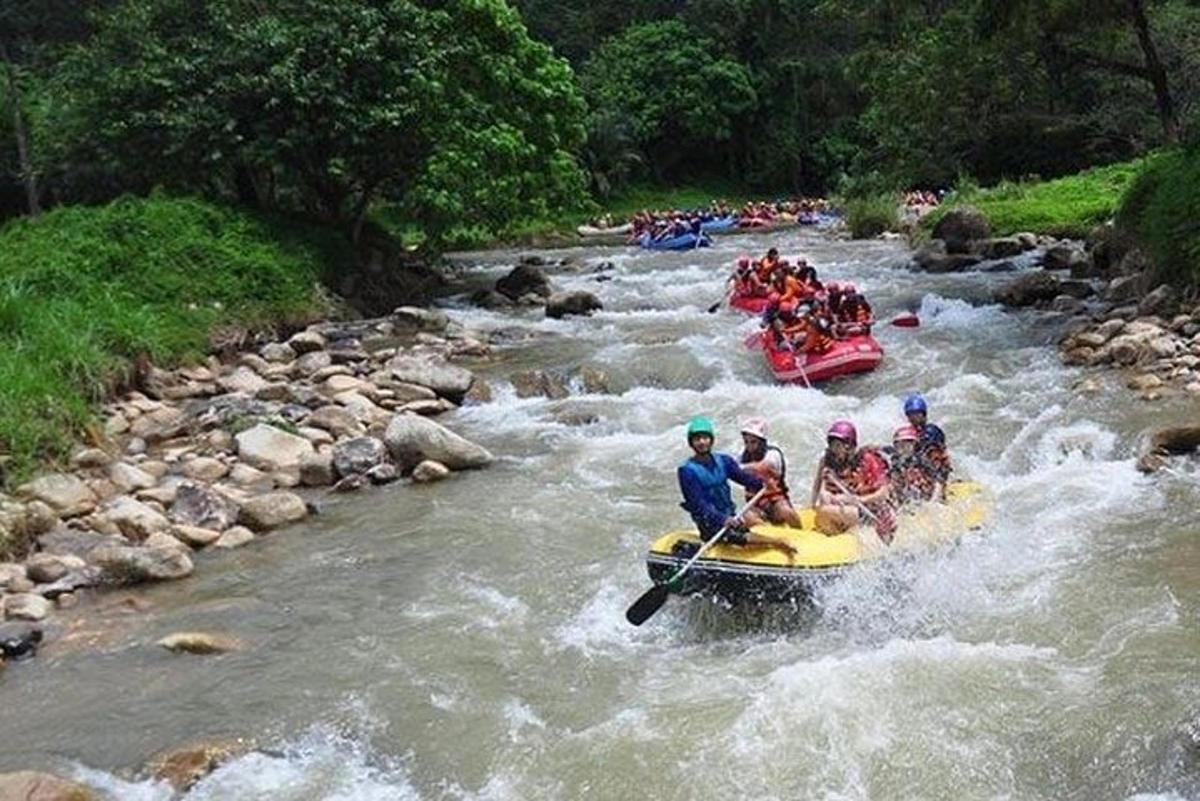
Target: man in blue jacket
<point>704,481</point>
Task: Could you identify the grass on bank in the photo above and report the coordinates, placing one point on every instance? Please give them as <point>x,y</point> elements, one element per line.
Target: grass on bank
<point>1161,211</point>
<point>85,290</point>
<point>1065,207</point>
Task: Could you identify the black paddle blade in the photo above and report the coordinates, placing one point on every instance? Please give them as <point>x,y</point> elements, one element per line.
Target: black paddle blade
<point>644,607</point>
<point>713,308</point>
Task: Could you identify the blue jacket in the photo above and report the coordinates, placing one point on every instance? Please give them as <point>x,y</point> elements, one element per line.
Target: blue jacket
<point>705,489</point>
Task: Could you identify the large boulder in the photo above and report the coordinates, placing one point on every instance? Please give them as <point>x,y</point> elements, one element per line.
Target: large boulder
<point>1031,289</point>
<point>532,383</point>
<point>66,541</point>
<point>415,318</point>
<point>337,420</point>
<point>29,786</point>
<point>357,455</point>
<point>447,380</point>
<point>167,422</point>
<point>272,510</point>
<point>26,606</point>
<point>412,439</point>
<point>960,227</point>
<point>133,565</point>
<point>1003,248</point>
<point>317,470</point>
<point>270,448</point>
<point>562,304</point>
<point>933,258</point>
<point>201,507</point>
<point>1160,301</point>
<point>524,279</point>
<point>66,494</point>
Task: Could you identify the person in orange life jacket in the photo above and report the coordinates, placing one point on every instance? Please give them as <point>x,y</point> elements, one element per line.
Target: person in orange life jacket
<point>854,316</point>
<point>913,478</point>
<point>771,261</point>
<point>704,481</point>
<point>932,445</point>
<point>767,462</point>
<point>805,328</point>
<point>862,471</point>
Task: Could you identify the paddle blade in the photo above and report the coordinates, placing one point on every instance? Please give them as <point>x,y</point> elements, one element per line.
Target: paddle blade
<point>713,308</point>
<point>908,320</point>
<point>644,607</point>
<point>754,341</point>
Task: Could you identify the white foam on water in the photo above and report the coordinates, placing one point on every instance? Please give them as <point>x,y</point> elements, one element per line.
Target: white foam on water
<point>952,314</point>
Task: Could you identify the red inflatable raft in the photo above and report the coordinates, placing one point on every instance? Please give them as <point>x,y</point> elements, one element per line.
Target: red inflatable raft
<point>746,303</point>
<point>859,354</point>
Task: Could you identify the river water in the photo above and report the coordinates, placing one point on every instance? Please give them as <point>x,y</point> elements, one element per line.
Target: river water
<point>467,641</point>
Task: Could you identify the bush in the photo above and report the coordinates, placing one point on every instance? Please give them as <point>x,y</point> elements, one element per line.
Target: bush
<point>1162,211</point>
<point>1066,207</point>
<point>871,215</point>
<point>85,290</point>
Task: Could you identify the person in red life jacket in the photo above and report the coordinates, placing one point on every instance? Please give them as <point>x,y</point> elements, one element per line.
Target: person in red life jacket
<point>809,282</point>
<point>850,482</point>
<point>704,481</point>
<point>932,444</point>
<point>913,477</point>
<point>768,463</point>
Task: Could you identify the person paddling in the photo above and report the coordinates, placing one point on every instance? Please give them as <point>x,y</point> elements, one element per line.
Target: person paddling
<point>851,483</point>
<point>704,481</point>
<point>767,462</point>
<point>932,443</point>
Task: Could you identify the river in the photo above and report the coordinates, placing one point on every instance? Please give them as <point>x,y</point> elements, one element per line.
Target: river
<point>466,640</point>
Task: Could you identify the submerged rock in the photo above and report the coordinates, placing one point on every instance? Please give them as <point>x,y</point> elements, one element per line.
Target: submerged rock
<point>30,786</point>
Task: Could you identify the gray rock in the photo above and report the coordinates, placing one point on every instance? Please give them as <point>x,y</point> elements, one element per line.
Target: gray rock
<point>306,342</point>
<point>1158,301</point>
<point>417,319</point>
<point>129,478</point>
<point>195,536</point>
<point>63,540</point>
<point>311,363</point>
<point>269,448</point>
<point>594,380</point>
<point>429,471</point>
<point>202,507</point>
<point>19,639</point>
<point>133,565</point>
<point>446,380</point>
<point>235,537</point>
<point>277,352</point>
<point>357,455</point>
<point>45,568</point>
<point>562,304</point>
<point>1060,257</point>
<point>272,510</point>
<point>26,606</point>
<point>135,519</point>
<point>532,383</point>
<point>1031,289</point>
<point>524,279</point>
<point>411,439</point>
<point>66,494</point>
<point>490,299</point>
<point>337,420</point>
<point>383,474</point>
<point>243,380</point>
<point>10,572</point>
<point>933,258</point>
<point>317,470</point>
<point>1003,248</point>
<point>205,469</point>
<point>960,227</point>
<point>27,785</point>
<point>350,484</point>
<point>317,436</point>
<point>199,642</point>
<point>89,458</point>
<point>161,424</point>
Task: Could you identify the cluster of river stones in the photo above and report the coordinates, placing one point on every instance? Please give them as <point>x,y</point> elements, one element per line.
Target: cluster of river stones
<point>213,456</point>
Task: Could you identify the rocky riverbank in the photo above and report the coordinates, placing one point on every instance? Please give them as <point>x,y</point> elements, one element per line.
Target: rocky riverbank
<point>216,455</point>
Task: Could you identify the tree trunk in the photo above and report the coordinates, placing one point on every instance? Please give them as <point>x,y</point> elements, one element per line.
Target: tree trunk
<point>1156,73</point>
<point>28,176</point>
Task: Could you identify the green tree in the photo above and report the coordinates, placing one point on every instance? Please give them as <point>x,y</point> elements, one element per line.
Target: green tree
<point>323,105</point>
<point>683,100</point>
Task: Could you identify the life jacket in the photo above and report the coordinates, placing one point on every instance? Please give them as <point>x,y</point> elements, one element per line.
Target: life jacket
<point>913,479</point>
<point>816,338</point>
<point>776,485</point>
<point>863,473</point>
<point>715,481</point>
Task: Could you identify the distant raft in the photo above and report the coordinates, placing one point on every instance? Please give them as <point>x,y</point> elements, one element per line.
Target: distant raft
<point>767,575</point>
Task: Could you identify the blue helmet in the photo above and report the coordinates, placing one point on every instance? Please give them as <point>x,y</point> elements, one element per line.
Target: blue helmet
<point>915,403</point>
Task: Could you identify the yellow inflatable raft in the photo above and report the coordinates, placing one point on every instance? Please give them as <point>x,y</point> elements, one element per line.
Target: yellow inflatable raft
<point>737,573</point>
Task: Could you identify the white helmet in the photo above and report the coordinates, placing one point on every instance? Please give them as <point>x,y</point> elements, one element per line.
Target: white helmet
<point>755,426</point>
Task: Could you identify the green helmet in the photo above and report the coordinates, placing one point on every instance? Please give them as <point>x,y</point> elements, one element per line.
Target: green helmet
<point>700,425</point>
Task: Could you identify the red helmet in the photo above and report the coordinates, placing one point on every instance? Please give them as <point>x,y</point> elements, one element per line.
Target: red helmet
<point>906,433</point>
<point>743,261</point>
<point>843,430</point>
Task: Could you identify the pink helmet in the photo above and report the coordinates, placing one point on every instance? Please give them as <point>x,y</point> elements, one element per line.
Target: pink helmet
<point>743,261</point>
<point>906,433</point>
<point>843,430</point>
<point>755,426</point>
<point>832,287</point>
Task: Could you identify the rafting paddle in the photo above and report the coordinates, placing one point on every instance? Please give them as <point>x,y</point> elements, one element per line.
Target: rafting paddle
<point>879,525</point>
<point>906,320</point>
<point>653,599</point>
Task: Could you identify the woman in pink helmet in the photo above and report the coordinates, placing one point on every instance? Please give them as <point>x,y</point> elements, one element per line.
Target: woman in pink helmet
<point>850,483</point>
<point>768,463</point>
